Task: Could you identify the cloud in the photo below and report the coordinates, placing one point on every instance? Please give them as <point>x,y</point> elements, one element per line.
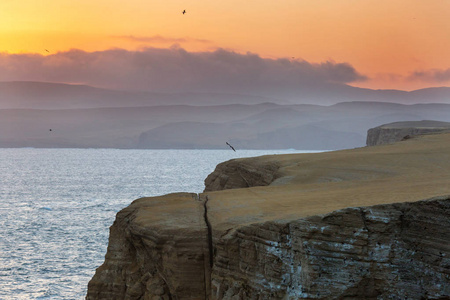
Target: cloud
<point>177,70</point>
<point>158,39</point>
<point>434,75</point>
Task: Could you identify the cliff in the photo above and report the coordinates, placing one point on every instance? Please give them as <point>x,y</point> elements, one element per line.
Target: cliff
<point>366,223</point>
<point>397,131</point>
<point>235,174</point>
<point>156,247</point>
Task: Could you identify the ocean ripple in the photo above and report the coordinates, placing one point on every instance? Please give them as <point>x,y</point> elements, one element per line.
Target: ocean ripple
<point>56,206</point>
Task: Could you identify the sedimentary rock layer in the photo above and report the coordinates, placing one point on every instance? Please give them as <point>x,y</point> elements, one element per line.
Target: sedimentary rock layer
<point>395,251</point>
<point>241,174</point>
<point>157,250</point>
<point>366,223</point>
<point>394,132</point>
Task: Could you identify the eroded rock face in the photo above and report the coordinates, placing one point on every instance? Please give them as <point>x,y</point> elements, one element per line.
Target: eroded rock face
<point>157,250</point>
<point>380,252</point>
<point>395,132</point>
<point>241,174</point>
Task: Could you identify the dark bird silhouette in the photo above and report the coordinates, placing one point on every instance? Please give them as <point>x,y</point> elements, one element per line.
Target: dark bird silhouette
<point>50,129</point>
<point>231,147</point>
<point>184,11</point>
<point>47,50</point>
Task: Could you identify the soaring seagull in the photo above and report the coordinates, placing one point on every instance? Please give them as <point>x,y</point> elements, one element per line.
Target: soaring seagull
<point>231,147</point>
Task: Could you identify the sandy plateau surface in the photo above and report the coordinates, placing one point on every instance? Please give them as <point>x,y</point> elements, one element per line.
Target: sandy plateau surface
<point>318,183</point>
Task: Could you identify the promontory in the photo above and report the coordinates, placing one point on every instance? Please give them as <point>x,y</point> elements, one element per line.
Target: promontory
<point>364,223</point>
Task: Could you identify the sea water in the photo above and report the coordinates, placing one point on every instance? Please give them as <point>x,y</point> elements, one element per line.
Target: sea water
<point>56,206</point>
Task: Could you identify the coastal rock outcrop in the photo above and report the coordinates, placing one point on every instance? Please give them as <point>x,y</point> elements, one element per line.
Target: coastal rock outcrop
<point>157,250</point>
<point>397,131</point>
<point>241,173</point>
<point>366,223</point>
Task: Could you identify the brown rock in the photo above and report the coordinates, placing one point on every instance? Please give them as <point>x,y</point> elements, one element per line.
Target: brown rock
<point>157,250</point>
<point>361,253</point>
<point>350,224</point>
<point>241,173</point>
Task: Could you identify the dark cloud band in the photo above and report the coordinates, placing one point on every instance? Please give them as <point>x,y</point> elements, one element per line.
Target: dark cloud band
<point>176,70</point>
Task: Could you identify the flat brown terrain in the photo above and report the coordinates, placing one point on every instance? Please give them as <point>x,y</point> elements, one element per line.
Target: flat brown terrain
<point>319,183</point>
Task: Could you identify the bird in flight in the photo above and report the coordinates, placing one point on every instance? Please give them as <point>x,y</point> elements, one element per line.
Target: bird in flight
<point>184,11</point>
<point>231,147</point>
<point>47,50</point>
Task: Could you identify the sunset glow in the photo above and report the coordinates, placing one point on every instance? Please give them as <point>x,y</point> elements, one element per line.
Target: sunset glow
<point>396,44</point>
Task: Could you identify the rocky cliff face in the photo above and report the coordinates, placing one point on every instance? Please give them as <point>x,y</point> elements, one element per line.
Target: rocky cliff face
<point>240,173</point>
<point>398,251</point>
<point>157,250</point>
<point>394,132</point>
<point>345,225</point>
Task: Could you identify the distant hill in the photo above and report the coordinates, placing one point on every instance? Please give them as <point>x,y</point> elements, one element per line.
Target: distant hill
<point>258,126</point>
<point>84,116</point>
<point>42,95</point>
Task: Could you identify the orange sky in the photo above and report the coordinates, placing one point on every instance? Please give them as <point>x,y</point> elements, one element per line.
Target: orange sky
<point>385,40</point>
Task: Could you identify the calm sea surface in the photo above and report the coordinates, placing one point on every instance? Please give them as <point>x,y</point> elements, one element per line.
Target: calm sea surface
<point>56,206</point>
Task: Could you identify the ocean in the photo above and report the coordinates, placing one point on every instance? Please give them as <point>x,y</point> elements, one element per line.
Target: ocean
<point>56,207</point>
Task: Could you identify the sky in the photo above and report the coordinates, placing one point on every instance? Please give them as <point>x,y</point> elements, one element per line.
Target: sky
<point>383,44</point>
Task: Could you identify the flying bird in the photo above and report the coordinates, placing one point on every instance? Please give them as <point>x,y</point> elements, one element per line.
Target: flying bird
<point>231,147</point>
<point>47,50</point>
<point>184,11</point>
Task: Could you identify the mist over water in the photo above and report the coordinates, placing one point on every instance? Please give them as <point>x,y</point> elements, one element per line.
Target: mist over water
<point>56,206</point>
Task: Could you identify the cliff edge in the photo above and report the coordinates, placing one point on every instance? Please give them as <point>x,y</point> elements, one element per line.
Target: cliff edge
<point>397,131</point>
<point>366,223</point>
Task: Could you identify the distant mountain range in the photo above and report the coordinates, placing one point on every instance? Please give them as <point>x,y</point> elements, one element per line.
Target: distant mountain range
<point>41,95</point>
<point>59,115</point>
